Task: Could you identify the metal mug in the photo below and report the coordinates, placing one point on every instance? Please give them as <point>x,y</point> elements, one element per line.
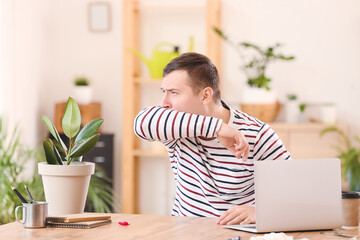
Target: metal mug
<point>34,214</point>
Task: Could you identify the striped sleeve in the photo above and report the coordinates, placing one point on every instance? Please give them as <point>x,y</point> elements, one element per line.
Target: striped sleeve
<point>268,145</point>
<point>162,124</point>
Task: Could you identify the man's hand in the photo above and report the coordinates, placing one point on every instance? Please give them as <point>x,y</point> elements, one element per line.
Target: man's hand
<point>238,215</point>
<point>234,141</point>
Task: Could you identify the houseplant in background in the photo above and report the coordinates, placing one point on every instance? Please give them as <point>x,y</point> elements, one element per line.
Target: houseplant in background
<point>65,177</point>
<point>350,158</point>
<point>14,156</point>
<point>82,90</point>
<point>302,115</point>
<point>258,98</point>
<point>292,110</point>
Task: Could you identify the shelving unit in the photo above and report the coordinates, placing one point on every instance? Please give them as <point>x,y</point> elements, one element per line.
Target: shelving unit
<point>303,139</point>
<point>133,80</point>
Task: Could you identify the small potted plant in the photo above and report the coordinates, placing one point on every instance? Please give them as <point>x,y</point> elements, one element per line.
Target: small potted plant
<point>255,63</point>
<point>292,110</point>
<point>350,158</point>
<point>65,177</point>
<point>82,90</point>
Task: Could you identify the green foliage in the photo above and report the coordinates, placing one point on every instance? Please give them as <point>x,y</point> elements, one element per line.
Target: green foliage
<point>291,97</point>
<point>71,120</point>
<point>350,156</point>
<point>81,81</point>
<point>260,81</point>
<point>85,146</point>
<point>302,107</point>
<point>80,141</point>
<point>101,197</point>
<point>255,66</point>
<point>13,157</point>
<point>89,130</point>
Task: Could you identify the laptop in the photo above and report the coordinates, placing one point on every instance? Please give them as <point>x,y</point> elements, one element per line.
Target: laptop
<point>296,195</point>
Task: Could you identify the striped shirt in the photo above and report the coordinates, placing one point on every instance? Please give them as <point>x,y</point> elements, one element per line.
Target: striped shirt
<point>209,179</point>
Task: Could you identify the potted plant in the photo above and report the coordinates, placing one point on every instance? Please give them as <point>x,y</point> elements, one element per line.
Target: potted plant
<point>65,177</point>
<point>13,160</point>
<point>302,116</point>
<point>350,158</point>
<point>292,110</point>
<point>257,91</point>
<point>255,65</point>
<point>82,90</point>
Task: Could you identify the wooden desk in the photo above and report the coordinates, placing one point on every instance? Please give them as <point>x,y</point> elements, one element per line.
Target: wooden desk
<point>147,227</point>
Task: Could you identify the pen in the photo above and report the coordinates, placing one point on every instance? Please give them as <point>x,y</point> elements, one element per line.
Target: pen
<point>19,195</point>
<point>28,192</point>
<point>339,234</point>
<point>235,238</point>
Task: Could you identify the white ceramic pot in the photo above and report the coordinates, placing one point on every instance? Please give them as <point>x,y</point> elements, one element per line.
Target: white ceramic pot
<point>66,186</point>
<point>83,94</point>
<point>328,113</point>
<point>255,95</point>
<point>292,111</point>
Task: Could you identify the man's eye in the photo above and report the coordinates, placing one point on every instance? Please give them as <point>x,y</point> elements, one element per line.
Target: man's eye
<point>174,93</point>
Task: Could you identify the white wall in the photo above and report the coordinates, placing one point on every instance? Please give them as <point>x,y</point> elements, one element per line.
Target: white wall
<point>48,44</point>
<point>21,66</point>
<point>323,35</point>
<point>70,49</point>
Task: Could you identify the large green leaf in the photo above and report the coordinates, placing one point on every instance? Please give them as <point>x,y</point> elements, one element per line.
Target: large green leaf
<point>60,149</point>
<point>49,151</point>
<point>89,130</point>
<point>85,146</point>
<point>58,156</point>
<point>72,119</point>
<point>52,129</point>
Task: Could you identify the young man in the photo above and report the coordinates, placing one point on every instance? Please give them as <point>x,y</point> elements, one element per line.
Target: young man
<point>212,147</point>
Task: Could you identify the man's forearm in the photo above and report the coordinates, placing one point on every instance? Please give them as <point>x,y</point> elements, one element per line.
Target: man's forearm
<point>161,124</point>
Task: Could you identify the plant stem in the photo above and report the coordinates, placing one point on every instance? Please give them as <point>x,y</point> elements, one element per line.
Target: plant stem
<point>68,158</point>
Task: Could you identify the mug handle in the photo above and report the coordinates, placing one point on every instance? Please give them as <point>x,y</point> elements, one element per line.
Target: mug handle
<point>16,216</point>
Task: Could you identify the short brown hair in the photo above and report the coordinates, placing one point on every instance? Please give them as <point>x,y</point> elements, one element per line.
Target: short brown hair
<point>201,70</point>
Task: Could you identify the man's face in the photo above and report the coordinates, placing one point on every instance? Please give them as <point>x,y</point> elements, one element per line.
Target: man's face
<point>178,94</point>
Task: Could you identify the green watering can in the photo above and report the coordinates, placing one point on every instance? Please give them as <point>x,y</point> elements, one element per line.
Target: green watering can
<point>162,54</point>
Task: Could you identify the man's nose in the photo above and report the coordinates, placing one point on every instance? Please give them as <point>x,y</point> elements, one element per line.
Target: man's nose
<point>165,102</point>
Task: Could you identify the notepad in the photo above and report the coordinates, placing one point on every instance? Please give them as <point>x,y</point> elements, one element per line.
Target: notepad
<point>87,224</point>
<point>77,218</point>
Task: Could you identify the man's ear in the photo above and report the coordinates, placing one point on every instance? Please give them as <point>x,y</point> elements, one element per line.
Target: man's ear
<point>207,95</point>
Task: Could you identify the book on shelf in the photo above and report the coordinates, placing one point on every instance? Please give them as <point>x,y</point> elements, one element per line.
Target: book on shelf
<point>86,224</point>
<point>77,218</point>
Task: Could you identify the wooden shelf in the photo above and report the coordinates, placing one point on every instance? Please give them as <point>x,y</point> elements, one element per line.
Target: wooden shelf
<point>303,140</point>
<point>141,80</point>
<point>171,7</point>
<point>132,84</point>
<point>301,126</point>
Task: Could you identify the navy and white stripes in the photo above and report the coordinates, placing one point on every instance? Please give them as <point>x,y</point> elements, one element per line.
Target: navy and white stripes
<point>209,179</point>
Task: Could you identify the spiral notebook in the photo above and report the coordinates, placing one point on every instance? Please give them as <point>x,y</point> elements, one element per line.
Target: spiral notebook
<point>78,217</point>
<point>87,224</point>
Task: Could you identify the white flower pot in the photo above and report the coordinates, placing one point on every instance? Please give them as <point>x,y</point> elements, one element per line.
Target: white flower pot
<point>292,111</point>
<point>255,95</point>
<point>328,113</point>
<point>66,186</point>
<point>83,94</point>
